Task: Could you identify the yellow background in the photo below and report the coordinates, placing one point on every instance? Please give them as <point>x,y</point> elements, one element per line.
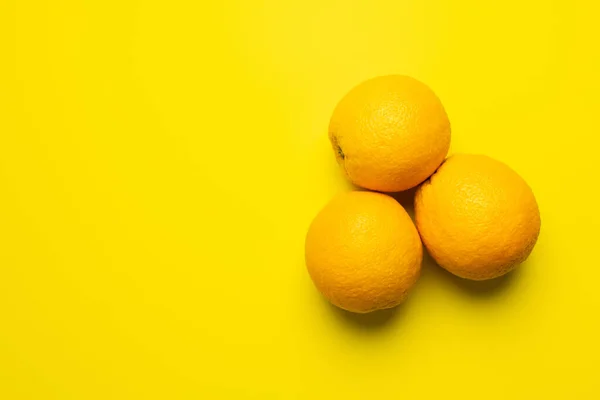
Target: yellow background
<point>160,162</point>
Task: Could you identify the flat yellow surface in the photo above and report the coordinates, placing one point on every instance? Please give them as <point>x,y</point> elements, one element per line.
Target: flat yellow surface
<point>160,162</point>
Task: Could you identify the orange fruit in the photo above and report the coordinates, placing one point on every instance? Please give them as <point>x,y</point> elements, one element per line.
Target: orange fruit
<point>363,252</point>
<point>390,133</point>
<point>477,217</point>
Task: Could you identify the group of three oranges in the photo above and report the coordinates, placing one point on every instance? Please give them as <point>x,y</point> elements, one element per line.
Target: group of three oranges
<point>477,217</point>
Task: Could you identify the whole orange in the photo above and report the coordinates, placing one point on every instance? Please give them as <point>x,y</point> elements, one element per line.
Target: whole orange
<point>363,252</point>
<point>390,133</point>
<point>477,217</point>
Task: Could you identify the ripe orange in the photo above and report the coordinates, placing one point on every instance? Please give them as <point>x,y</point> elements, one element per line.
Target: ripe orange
<point>390,133</point>
<point>477,217</point>
<point>363,252</point>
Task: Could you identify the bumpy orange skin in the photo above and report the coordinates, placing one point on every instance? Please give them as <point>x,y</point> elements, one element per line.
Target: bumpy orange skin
<point>477,217</point>
<point>390,133</point>
<point>363,252</point>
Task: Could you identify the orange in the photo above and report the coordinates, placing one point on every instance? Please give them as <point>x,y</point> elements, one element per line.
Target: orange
<point>390,133</point>
<point>363,252</point>
<point>477,217</point>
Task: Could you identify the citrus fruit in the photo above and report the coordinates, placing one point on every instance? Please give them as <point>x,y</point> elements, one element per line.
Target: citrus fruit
<point>363,252</point>
<point>477,217</point>
<point>389,133</point>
